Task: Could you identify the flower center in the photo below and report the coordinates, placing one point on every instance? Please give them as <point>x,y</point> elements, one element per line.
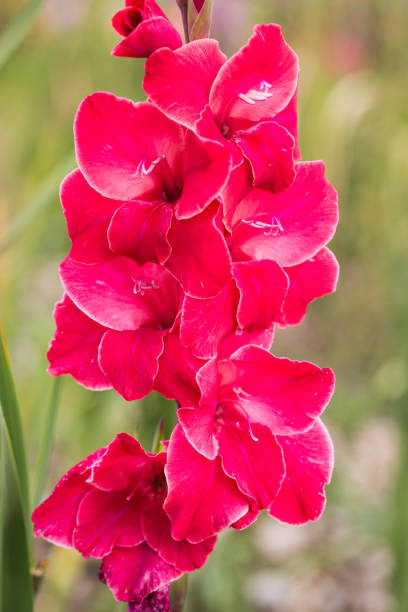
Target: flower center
<point>274,228</point>
<point>171,191</point>
<point>252,96</point>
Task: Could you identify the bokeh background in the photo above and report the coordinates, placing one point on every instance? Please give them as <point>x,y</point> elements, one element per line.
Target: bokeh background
<point>354,115</point>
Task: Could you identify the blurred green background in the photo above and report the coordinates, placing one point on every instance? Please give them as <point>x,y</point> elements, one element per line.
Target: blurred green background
<point>354,115</point>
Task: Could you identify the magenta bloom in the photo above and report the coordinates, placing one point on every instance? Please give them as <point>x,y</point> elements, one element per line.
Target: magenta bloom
<point>147,192</point>
<point>109,506</point>
<point>194,233</point>
<point>249,100</point>
<point>250,405</point>
<point>111,331</point>
<point>145,29</point>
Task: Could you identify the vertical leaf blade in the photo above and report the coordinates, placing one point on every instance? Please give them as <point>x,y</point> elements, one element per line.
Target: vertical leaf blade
<point>15,579</point>
<point>14,428</point>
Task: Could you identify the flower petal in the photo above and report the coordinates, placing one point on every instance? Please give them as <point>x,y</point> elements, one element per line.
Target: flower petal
<point>88,215</point>
<point>55,518</point>
<point>288,227</point>
<point>309,463</point>
<point>139,230</point>
<point>199,258</point>
<point>245,453</point>
<point>121,295</point>
<point>204,322</point>
<point>258,81</point>
<point>206,170</point>
<point>198,423</point>
<point>284,395</point>
<point>202,500</point>
<point>309,280</point>
<point>126,466</point>
<point>129,359</point>
<point>104,520</point>
<point>147,37</point>
<point>178,367</point>
<point>269,149</point>
<point>263,286</point>
<point>134,573</point>
<point>74,348</point>
<point>123,148</point>
<point>179,82</point>
<point>183,555</point>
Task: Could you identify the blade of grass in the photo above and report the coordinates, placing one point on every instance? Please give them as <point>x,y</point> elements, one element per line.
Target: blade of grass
<point>46,441</point>
<point>17,28</point>
<point>12,420</point>
<point>38,205</point>
<point>15,543</point>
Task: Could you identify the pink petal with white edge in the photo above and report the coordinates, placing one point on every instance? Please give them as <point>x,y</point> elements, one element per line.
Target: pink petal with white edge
<point>176,378</point>
<point>147,37</point>
<point>88,215</point>
<point>125,149</point>
<point>287,118</point>
<point>308,281</point>
<point>129,359</point>
<point>179,82</point>
<point>55,518</point>
<point>206,166</point>
<point>205,322</point>
<point>286,396</point>
<point>254,459</point>
<point>126,466</point>
<point>199,427</point>
<point>258,81</point>
<point>202,500</point>
<point>139,230</point>
<point>263,286</point>
<point>239,338</point>
<point>288,227</point>
<point>269,149</point>
<point>183,555</point>
<point>309,464</point>
<point>121,295</point>
<point>74,348</point>
<point>104,520</point>
<point>133,573</point>
<point>199,259</point>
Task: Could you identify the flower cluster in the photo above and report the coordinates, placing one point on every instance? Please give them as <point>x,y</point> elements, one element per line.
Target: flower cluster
<point>194,233</point>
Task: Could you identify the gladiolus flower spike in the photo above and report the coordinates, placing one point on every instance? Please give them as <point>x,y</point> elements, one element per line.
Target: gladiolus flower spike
<point>195,232</point>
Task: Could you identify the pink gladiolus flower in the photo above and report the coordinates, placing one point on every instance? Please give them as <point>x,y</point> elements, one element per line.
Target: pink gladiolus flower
<point>249,99</point>
<point>145,29</point>
<point>289,227</point>
<point>109,506</point>
<point>149,192</point>
<point>248,403</point>
<point>111,331</point>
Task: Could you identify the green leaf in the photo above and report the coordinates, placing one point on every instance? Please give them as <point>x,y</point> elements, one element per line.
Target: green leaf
<point>158,436</point>
<point>45,197</point>
<point>199,24</point>
<point>17,28</point>
<point>16,592</point>
<point>46,441</point>
<point>14,429</point>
